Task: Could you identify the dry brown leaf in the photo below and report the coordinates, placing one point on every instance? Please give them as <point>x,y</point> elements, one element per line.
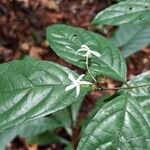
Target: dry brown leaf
<point>36,51</point>
<point>51,4</point>
<point>33,147</point>
<point>53,17</point>
<point>25,46</point>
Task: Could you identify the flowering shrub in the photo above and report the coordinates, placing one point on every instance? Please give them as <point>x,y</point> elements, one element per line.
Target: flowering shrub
<point>31,89</point>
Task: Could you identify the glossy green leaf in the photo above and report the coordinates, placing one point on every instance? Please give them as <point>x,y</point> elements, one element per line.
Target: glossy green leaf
<point>121,124</point>
<point>63,117</point>
<point>130,11</point>
<point>68,116</point>
<point>100,102</point>
<point>141,94</point>
<point>66,40</point>
<point>75,110</point>
<point>28,129</point>
<point>47,138</point>
<point>69,147</point>
<point>31,89</point>
<point>131,38</point>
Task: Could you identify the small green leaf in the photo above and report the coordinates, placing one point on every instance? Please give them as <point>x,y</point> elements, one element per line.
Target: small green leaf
<point>47,138</point>
<point>63,117</point>
<point>68,116</point>
<point>141,94</point>
<point>121,124</point>
<point>100,102</point>
<point>69,147</point>
<point>66,40</point>
<point>75,110</point>
<point>130,11</point>
<point>31,89</point>
<point>131,38</point>
<point>28,129</point>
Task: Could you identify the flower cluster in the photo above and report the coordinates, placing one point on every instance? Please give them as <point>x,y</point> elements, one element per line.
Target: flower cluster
<point>76,83</point>
<point>88,51</point>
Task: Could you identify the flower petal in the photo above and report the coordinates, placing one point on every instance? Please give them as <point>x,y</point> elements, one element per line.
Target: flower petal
<point>85,47</point>
<point>80,50</point>
<point>77,90</point>
<point>80,77</point>
<point>96,53</point>
<point>71,77</point>
<point>69,87</point>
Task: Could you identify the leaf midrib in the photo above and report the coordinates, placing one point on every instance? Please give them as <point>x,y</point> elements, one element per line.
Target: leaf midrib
<point>30,88</point>
<point>122,121</point>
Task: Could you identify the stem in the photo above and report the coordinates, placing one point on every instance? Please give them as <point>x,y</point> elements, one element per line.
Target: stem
<point>119,88</point>
<point>87,66</point>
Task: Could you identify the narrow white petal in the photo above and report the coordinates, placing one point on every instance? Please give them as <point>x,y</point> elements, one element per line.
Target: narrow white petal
<point>85,46</point>
<point>77,90</point>
<point>80,50</point>
<point>85,83</point>
<point>80,77</point>
<point>69,87</point>
<point>71,77</point>
<point>96,54</point>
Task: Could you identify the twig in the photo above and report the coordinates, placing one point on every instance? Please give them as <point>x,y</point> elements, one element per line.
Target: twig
<point>120,88</point>
<point>87,67</point>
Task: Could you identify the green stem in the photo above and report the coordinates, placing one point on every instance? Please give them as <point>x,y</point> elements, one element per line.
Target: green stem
<point>87,67</point>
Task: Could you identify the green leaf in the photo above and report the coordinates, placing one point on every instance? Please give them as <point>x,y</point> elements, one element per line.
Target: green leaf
<point>130,11</point>
<point>141,94</point>
<point>69,147</point>
<point>28,129</point>
<point>68,116</point>
<point>121,124</point>
<point>100,102</point>
<point>47,138</point>
<point>63,117</point>
<point>31,89</point>
<point>131,38</point>
<point>66,40</point>
<point>75,110</point>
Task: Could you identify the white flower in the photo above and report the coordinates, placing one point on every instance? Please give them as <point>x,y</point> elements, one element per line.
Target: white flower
<point>76,83</point>
<point>88,51</point>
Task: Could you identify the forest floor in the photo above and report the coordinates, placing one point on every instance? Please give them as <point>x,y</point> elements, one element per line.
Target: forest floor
<point>22,32</point>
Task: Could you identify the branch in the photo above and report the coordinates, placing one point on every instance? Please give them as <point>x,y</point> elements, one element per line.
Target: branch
<point>120,88</point>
